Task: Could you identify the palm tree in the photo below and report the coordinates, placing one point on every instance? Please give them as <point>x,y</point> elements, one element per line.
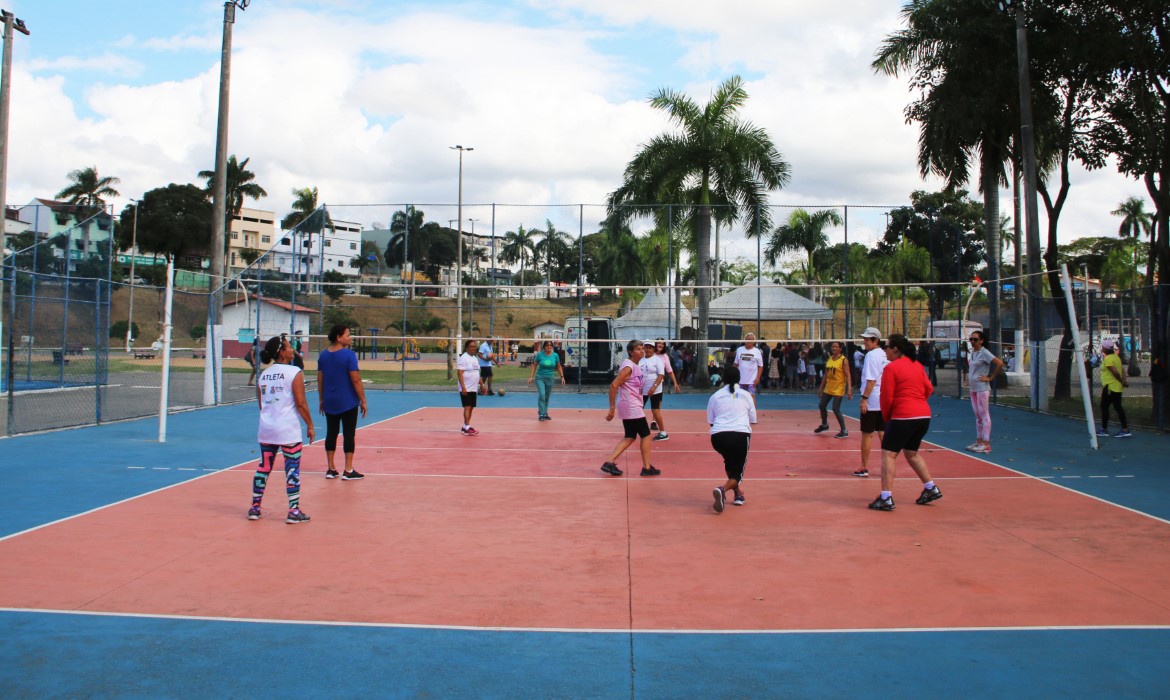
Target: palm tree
<point>714,158</point>
<point>307,218</point>
<point>803,231</point>
<point>906,264</point>
<point>1135,222</point>
<point>552,246</point>
<point>519,246</point>
<point>964,64</point>
<point>239,187</point>
<point>87,192</point>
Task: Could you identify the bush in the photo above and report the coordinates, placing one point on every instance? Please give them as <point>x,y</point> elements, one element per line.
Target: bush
<point>377,292</point>
<point>198,332</point>
<point>118,330</point>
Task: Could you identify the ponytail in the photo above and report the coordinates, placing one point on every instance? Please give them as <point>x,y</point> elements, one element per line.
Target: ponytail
<point>731,378</point>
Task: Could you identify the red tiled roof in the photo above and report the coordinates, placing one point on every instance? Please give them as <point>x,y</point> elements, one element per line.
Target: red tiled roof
<point>279,303</point>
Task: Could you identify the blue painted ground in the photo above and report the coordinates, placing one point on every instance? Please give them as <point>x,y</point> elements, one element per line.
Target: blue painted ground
<point>59,474</point>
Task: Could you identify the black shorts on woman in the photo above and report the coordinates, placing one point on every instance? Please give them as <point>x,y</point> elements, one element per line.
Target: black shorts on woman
<point>733,447</point>
<point>636,427</point>
<point>905,434</point>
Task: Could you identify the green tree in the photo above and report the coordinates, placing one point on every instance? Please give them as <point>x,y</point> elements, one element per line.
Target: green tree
<point>553,250</point>
<point>519,246</point>
<point>88,191</point>
<point>240,186</point>
<point>803,231</point>
<point>333,289</point>
<point>713,158</point>
<point>307,218</point>
<point>1136,222</point>
<point>172,221</point>
<point>370,258</point>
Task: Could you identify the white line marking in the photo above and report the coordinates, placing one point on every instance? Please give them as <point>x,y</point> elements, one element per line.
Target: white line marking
<point>595,630</point>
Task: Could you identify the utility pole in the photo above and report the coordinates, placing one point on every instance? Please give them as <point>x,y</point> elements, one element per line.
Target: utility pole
<point>216,278</point>
<point>11,23</point>
<point>459,248</point>
<point>133,258</point>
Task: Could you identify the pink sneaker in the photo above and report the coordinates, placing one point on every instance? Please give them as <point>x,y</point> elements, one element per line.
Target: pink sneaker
<point>471,431</point>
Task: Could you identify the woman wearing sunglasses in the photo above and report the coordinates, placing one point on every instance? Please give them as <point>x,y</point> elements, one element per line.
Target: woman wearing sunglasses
<point>984,368</point>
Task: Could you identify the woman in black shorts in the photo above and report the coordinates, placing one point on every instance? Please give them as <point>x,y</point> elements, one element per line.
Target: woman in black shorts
<point>731,411</point>
<point>905,389</point>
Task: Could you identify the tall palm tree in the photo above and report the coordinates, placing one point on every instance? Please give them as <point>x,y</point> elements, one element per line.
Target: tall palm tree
<point>87,192</point>
<point>519,246</point>
<point>907,263</point>
<point>239,187</point>
<point>306,218</point>
<point>1136,222</point>
<point>551,247</point>
<point>803,231</point>
<point>714,157</point>
<point>963,63</point>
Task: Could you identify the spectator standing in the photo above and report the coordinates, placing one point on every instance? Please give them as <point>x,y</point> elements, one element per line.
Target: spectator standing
<point>750,363</point>
<point>486,356</point>
<point>1113,382</point>
<point>985,367</point>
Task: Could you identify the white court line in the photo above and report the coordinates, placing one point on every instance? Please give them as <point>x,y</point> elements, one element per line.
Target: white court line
<point>582,630</point>
<point>788,476</point>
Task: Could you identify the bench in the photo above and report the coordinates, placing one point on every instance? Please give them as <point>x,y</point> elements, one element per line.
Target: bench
<point>199,354</point>
<point>526,363</point>
<point>143,355</point>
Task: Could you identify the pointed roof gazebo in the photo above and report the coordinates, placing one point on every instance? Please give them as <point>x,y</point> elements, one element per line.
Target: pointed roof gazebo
<point>770,302</point>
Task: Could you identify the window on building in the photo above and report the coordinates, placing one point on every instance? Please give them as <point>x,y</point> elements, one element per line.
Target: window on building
<point>233,258</point>
<point>285,241</point>
<point>265,239</point>
<point>353,246</point>
<point>235,236</point>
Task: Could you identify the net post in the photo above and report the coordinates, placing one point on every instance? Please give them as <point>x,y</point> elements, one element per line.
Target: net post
<point>1078,354</point>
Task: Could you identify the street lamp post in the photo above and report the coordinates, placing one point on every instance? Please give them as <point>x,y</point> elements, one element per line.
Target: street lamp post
<point>133,258</point>
<point>474,278</point>
<point>459,249</point>
<point>213,372</point>
<point>11,23</point>
<point>1037,365</point>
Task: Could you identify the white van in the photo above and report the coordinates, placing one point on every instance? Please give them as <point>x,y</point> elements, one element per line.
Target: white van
<point>595,361</point>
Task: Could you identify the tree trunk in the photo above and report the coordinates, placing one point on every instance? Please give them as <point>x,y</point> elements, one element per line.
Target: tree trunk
<point>703,243</point>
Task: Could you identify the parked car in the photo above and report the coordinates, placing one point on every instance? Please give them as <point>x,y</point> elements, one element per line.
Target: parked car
<point>945,353</point>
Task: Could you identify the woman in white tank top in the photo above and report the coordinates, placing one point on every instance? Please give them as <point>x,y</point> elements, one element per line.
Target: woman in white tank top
<point>280,391</point>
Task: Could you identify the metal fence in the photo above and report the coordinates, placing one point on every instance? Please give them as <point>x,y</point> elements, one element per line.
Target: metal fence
<point>528,273</point>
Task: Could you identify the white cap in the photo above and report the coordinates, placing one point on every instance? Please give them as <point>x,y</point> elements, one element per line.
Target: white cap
<point>871,332</point>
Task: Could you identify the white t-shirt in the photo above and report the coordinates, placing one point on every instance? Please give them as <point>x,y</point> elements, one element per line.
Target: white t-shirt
<point>980,364</point>
<point>279,422</point>
<point>749,363</point>
<point>875,362</point>
<point>468,366</point>
<point>729,412</point>
<point>652,367</point>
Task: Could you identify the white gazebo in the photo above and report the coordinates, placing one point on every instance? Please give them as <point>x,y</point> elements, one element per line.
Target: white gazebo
<point>766,301</point>
<point>654,317</point>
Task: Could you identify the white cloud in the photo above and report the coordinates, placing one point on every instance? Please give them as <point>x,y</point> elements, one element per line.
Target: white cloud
<point>112,64</point>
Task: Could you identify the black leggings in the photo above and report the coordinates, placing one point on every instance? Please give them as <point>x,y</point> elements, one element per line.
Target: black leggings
<point>733,447</point>
<point>1109,398</point>
<point>348,420</point>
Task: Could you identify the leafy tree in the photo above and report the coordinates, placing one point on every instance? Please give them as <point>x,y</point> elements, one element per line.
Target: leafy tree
<point>1136,222</point>
<point>306,217</point>
<point>88,190</point>
<point>519,246</point>
<point>333,278</point>
<point>431,247</point>
<point>714,158</point>
<point>250,255</point>
<point>370,258</point>
<point>948,226</point>
<point>555,250</point>
<point>172,221</point>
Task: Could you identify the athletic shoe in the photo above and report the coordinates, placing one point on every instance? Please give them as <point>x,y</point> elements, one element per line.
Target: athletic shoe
<point>821,428</point>
<point>842,434</point>
<point>1123,434</point>
<point>611,468</point>
<point>651,471</point>
<point>331,474</point>
<point>352,475</point>
<point>662,436</point>
<point>1101,432</point>
<point>297,516</point>
<point>471,432</point>
<point>984,449</point>
<point>738,499</point>
<point>880,503</point>
<point>254,513</point>
<point>863,472</point>
<point>654,425</point>
<point>974,447</point>
<point>720,499</point>
<point>928,495</point>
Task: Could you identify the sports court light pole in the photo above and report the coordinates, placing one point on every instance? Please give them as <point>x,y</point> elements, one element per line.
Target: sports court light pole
<point>10,23</point>
<point>459,263</point>
<point>213,385</point>
<point>133,258</point>
<point>1037,365</point>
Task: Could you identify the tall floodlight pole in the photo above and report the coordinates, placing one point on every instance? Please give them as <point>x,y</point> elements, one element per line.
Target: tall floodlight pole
<point>213,385</point>
<point>10,23</point>
<point>1038,364</point>
<point>133,257</point>
<point>459,263</point>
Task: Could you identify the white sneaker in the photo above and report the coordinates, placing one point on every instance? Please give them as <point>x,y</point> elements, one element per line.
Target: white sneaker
<point>975,447</point>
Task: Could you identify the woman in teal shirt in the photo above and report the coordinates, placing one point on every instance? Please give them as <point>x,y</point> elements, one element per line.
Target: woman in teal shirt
<point>545,367</point>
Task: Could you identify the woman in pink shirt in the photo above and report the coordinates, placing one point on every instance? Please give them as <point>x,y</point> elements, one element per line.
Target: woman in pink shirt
<point>626,392</point>
<point>905,389</point>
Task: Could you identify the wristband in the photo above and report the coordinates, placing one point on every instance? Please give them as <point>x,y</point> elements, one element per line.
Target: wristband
<point>865,398</point>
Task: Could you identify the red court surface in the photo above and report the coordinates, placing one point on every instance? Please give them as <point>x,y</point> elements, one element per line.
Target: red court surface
<point>518,528</point>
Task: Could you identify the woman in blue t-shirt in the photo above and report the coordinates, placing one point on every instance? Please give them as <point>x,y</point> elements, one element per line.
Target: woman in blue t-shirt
<point>546,365</point>
<point>341,395</point>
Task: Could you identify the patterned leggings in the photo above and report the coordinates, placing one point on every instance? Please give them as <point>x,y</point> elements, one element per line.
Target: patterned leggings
<point>292,472</point>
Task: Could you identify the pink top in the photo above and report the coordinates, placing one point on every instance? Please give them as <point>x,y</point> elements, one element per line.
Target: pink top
<point>629,396</point>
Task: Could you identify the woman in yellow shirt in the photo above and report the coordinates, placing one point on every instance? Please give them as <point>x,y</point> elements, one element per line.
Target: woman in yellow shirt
<point>1113,382</point>
<point>834,386</point>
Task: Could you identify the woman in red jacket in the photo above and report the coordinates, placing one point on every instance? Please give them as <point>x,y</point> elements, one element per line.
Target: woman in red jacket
<point>905,389</point>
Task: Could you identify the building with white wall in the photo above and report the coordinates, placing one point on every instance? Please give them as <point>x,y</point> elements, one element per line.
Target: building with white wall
<point>312,254</point>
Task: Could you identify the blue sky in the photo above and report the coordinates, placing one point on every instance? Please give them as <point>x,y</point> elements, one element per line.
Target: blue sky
<point>362,98</point>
